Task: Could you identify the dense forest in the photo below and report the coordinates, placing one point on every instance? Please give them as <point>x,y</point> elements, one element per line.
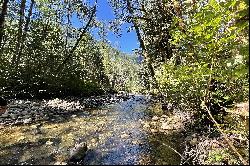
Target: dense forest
<point>193,54</point>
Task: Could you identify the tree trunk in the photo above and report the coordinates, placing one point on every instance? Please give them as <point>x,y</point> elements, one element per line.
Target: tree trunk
<point>26,26</point>
<point>142,45</point>
<point>67,30</point>
<point>20,31</point>
<point>2,19</point>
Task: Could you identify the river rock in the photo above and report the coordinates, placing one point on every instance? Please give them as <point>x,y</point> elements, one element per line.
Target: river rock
<point>49,143</point>
<point>73,116</point>
<point>36,104</point>
<point>27,102</point>
<point>13,116</point>
<point>164,116</point>
<point>18,122</point>
<point>46,118</point>
<point>24,112</point>
<point>153,123</point>
<point>78,152</point>
<point>60,163</point>
<point>124,136</point>
<point>194,141</point>
<point>154,130</point>
<point>5,115</point>
<point>165,126</point>
<point>14,106</point>
<point>26,117</point>
<point>155,118</point>
<point>26,121</point>
<point>163,120</point>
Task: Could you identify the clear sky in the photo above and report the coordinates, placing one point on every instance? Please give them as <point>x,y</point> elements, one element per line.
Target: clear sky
<point>128,41</point>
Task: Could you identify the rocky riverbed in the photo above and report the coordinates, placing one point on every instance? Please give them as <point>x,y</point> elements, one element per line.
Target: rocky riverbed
<point>56,110</point>
<point>123,129</point>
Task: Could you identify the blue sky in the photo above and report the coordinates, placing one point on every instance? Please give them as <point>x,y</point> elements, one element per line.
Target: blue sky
<point>128,41</point>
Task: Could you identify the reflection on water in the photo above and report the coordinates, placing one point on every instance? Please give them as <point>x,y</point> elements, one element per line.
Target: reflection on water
<point>114,135</point>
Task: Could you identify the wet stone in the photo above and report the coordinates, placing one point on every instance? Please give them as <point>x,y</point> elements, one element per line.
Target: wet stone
<point>165,126</point>
<point>14,106</point>
<point>4,115</point>
<point>46,118</point>
<point>24,112</point>
<point>27,102</point>
<point>78,152</point>
<point>155,118</point>
<point>19,117</point>
<point>13,116</point>
<point>27,121</point>
<point>18,122</point>
<point>53,120</point>
<point>36,104</point>
<point>26,117</point>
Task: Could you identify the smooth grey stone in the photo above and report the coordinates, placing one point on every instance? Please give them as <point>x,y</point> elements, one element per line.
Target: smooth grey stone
<point>26,117</point>
<point>5,115</point>
<point>36,104</point>
<point>18,122</point>
<point>13,116</point>
<point>24,112</point>
<point>27,102</point>
<point>78,152</point>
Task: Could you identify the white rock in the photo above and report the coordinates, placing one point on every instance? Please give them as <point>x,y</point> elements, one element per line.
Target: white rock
<point>60,163</point>
<point>146,125</point>
<point>124,135</point>
<point>154,130</point>
<point>153,123</point>
<point>49,143</point>
<point>73,116</point>
<point>155,118</point>
<point>25,121</point>
<point>165,126</point>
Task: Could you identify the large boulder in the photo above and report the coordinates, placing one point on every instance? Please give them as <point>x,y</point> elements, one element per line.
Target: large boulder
<point>78,152</point>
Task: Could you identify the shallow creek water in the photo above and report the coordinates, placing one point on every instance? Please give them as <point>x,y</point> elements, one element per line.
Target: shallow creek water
<point>114,135</point>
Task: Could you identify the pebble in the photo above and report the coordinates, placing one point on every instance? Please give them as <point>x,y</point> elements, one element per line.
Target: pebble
<point>165,126</point>
<point>18,122</point>
<point>164,116</point>
<point>26,121</point>
<point>155,118</point>
<point>13,116</point>
<point>146,125</point>
<point>5,115</point>
<point>153,123</point>
<point>49,143</point>
<point>73,116</point>
<point>36,104</point>
<point>124,136</point>
<point>153,130</point>
<point>194,141</point>
<point>26,117</point>
<point>60,163</point>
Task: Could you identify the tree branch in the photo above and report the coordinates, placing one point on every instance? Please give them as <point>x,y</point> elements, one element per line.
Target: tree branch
<point>83,31</point>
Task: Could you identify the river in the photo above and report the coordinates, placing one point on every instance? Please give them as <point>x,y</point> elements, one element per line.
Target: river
<point>114,134</point>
